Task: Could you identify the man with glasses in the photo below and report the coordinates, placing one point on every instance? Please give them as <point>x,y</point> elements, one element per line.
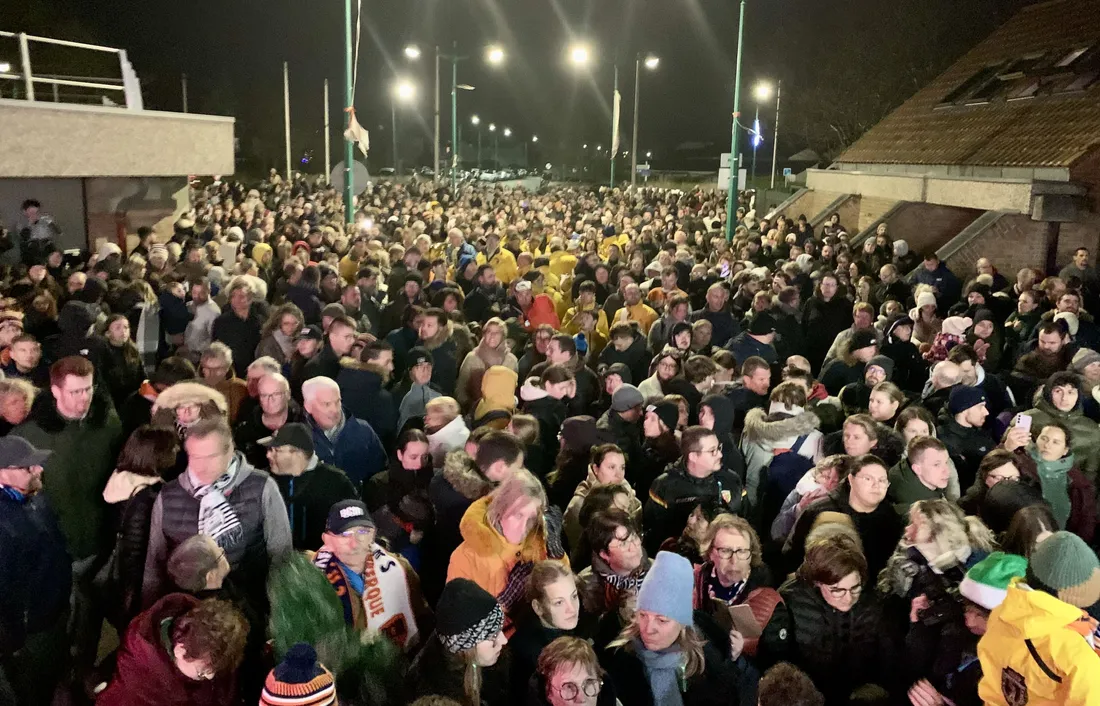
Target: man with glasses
<point>697,477</point>
<point>860,496</point>
<point>378,590</point>
<point>275,410</point>
<point>619,564</point>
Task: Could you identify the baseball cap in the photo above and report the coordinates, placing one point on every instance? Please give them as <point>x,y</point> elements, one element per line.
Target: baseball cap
<point>347,514</point>
<point>626,397</point>
<point>17,452</point>
<point>762,324</point>
<point>862,339</point>
<point>312,332</point>
<point>523,286</point>
<point>293,434</point>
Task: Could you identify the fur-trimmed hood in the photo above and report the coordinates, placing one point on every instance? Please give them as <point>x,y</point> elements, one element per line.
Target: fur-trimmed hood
<point>770,429</point>
<point>463,475</point>
<point>191,393</point>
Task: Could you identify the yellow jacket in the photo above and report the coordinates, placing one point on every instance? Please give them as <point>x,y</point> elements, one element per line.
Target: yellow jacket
<point>562,263</point>
<point>599,338</point>
<point>1012,675</point>
<point>640,312</point>
<point>348,268</point>
<point>504,264</point>
<point>605,245</point>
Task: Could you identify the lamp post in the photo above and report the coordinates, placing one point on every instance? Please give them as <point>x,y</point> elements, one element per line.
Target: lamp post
<point>496,146</point>
<point>403,91</point>
<point>507,132</point>
<point>412,52</point>
<point>535,139</point>
<point>735,156</point>
<point>477,123</point>
<point>349,153</point>
<point>775,139</point>
<point>761,92</point>
<point>651,63</point>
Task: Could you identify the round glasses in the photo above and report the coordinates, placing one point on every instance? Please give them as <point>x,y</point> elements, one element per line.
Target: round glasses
<point>570,691</point>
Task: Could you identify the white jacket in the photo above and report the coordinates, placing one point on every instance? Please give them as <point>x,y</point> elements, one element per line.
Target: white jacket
<point>199,333</point>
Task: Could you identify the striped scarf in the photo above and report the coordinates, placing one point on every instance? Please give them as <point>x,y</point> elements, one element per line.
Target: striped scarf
<point>217,518</point>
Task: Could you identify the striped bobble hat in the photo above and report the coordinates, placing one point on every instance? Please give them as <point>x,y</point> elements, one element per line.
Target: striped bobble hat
<point>299,680</point>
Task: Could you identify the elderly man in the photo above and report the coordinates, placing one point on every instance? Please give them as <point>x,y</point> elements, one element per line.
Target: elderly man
<point>725,326</point>
<point>257,370</point>
<point>239,328</point>
<point>378,590</point>
<point>275,410</point>
<point>945,376</point>
<point>35,581</point>
<point>222,496</point>
<point>308,486</point>
<point>339,438</point>
<point>217,370</point>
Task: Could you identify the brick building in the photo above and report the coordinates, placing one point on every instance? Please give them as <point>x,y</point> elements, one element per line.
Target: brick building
<point>999,156</point>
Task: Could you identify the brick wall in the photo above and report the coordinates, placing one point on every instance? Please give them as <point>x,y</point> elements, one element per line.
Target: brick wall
<point>1011,243</point>
<point>871,208</point>
<point>811,203</point>
<point>1079,235</point>
<point>927,227</point>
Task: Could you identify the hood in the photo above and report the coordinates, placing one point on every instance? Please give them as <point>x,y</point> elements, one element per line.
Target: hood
<point>461,472</point>
<point>122,485</point>
<point>531,391</point>
<point>1033,614</point>
<point>77,318</point>
<point>485,540</point>
<point>722,409</point>
<point>769,430</point>
<point>591,482</point>
<point>190,393</point>
<point>498,388</point>
<point>452,430</point>
<point>146,668</point>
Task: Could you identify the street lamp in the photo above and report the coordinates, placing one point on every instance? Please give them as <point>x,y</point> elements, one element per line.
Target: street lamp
<point>507,132</point>
<point>476,121</point>
<point>651,63</point>
<point>494,55</point>
<point>580,55</point>
<point>649,155</point>
<point>534,138</point>
<point>762,92</point>
<point>403,91</point>
<point>5,67</point>
<point>412,52</point>
<point>775,137</point>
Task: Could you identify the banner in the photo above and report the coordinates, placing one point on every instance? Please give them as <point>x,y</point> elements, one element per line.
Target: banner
<point>615,126</point>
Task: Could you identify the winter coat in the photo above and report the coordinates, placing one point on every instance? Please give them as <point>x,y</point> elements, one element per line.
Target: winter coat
<point>723,324</point>
<point>1082,494</point>
<point>356,448</point>
<point>906,489</point>
<point>878,530</point>
<point>910,369</point>
<point>836,373</point>
<point>474,366</point>
<point>451,493</point>
<point>1030,626</point>
<point>550,412</point>
<point>947,285</point>
<point>251,428</point>
<point>132,497</point>
<point>450,437</point>
<point>363,391</point>
<point>839,651</point>
<point>722,682</point>
<point>212,404</point>
<point>1085,432</point>
<point>436,672</point>
<point>325,364</point>
<point>602,590</point>
<point>790,337</point>
<point>444,364</point>
<point>146,672</point>
<point>767,607</point>
<point>200,330</point>
<point>966,445</point>
<point>241,335</point>
<point>890,446</point>
<point>766,435</point>
<point>35,570</point>
<point>744,345</point>
<point>306,299</point>
<point>84,453</point>
<point>572,525</point>
<point>309,497</point>
<point>488,559</point>
<point>674,495</point>
<point>122,372</point>
<point>822,321</point>
<point>269,346</point>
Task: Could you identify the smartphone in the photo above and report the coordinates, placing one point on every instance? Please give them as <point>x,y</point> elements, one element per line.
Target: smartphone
<point>725,269</point>
<point>1022,421</point>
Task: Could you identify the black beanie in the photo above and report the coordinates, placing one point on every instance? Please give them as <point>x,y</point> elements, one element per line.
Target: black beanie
<point>466,615</point>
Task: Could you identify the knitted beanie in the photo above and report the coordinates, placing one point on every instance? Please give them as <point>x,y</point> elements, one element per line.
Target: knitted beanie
<point>926,299</point>
<point>667,412</point>
<point>1083,359</point>
<point>299,679</point>
<point>986,583</point>
<point>667,588</point>
<point>466,615</point>
<point>1065,567</point>
<point>884,362</point>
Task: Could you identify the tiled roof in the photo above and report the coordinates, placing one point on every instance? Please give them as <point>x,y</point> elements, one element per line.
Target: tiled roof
<point>1041,131</point>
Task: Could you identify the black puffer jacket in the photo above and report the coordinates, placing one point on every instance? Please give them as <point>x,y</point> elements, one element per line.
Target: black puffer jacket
<point>822,321</point>
<point>674,495</point>
<point>133,506</point>
<point>636,357</point>
<point>839,651</point>
<point>967,446</point>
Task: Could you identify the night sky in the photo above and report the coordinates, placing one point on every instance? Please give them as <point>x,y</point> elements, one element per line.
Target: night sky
<point>233,51</point>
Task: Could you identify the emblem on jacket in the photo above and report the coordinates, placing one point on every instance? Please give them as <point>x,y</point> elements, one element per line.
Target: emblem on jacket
<point>1013,687</point>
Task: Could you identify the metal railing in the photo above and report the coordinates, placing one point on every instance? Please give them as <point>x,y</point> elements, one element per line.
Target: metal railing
<point>128,85</point>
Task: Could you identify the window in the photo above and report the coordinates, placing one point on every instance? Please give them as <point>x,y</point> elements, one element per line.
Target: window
<point>1048,73</point>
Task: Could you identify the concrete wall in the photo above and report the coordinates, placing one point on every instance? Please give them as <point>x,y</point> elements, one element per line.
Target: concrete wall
<point>984,194</point>
<point>61,198</point>
<point>58,140</point>
<point>128,204</point>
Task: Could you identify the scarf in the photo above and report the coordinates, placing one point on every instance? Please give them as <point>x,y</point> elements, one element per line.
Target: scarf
<point>1054,482</point>
<point>716,590</point>
<point>491,356</point>
<point>665,672</point>
<point>382,587</point>
<point>286,343</point>
<point>217,518</point>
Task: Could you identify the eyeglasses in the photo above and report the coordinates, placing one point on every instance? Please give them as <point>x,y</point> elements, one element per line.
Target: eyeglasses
<point>874,482</point>
<point>838,592</point>
<point>273,396</point>
<point>997,478</point>
<point>570,691</point>
<point>716,451</point>
<point>357,532</point>
<point>728,553</point>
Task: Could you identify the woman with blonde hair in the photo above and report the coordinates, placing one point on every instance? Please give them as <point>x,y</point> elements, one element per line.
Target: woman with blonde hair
<point>503,535</point>
<point>491,350</point>
<point>16,397</point>
<point>662,658</point>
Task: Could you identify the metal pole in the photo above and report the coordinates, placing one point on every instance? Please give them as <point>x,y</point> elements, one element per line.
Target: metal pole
<point>775,140</point>
<point>25,57</point>
<point>56,93</point>
<point>286,115</point>
<point>435,165</point>
<point>755,141</point>
<point>735,155</point>
<point>496,151</point>
<point>479,146</point>
<point>328,137</point>
<point>634,137</point>
<point>393,116</point>
<point>614,126</point>
<point>183,88</point>
<point>454,118</point>
<point>349,154</point>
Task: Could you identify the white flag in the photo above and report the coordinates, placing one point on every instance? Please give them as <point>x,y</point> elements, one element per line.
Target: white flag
<point>615,126</point>
<point>357,133</point>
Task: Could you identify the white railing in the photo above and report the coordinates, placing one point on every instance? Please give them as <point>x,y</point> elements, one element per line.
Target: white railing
<point>128,85</point>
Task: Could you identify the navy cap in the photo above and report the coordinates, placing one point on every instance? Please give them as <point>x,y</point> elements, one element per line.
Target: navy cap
<point>347,514</point>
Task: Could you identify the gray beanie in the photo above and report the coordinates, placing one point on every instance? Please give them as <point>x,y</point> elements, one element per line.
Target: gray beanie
<point>884,362</point>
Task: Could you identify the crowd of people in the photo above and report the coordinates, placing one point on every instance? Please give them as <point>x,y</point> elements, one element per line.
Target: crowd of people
<point>563,447</point>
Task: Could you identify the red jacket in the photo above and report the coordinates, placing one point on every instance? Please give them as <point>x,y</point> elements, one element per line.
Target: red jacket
<point>146,673</point>
<point>541,311</point>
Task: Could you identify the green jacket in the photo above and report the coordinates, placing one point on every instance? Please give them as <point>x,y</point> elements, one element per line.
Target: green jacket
<point>906,488</point>
<point>1086,434</point>
<point>73,479</point>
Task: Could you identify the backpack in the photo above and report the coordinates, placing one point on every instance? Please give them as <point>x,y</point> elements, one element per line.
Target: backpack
<point>784,472</point>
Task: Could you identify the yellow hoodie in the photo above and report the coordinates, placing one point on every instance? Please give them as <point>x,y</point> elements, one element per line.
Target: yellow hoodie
<point>1011,675</point>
